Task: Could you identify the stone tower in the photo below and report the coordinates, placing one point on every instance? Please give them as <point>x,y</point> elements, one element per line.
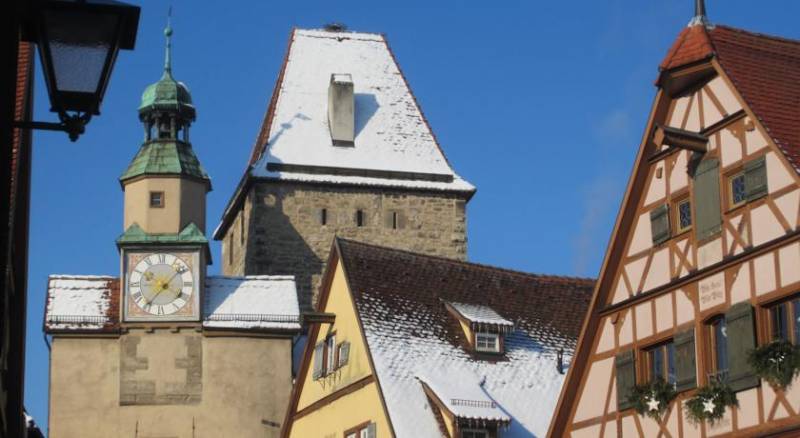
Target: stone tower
<point>164,350</point>
<point>344,149</point>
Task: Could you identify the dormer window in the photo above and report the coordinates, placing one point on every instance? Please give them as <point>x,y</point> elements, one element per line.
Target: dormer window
<point>484,329</point>
<point>487,342</point>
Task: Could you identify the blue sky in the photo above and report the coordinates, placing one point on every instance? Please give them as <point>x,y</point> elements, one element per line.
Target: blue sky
<point>541,105</point>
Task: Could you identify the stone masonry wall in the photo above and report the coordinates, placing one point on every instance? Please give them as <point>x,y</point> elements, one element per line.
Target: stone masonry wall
<point>284,231</point>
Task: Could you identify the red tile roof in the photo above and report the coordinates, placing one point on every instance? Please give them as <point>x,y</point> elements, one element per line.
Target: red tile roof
<point>550,306</point>
<point>692,45</point>
<point>764,69</point>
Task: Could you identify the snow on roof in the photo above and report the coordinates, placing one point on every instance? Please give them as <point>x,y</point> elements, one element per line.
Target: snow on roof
<point>411,334</point>
<point>392,136</point>
<point>463,395</point>
<point>253,302</point>
<point>480,314</point>
<point>79,302</point>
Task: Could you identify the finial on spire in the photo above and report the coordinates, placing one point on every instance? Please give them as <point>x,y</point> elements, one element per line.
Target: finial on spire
<point>168,35</point>
<point>700,17</point>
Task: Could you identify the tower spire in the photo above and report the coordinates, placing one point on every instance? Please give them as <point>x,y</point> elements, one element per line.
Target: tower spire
<point>168,35</point>
<point>700,17</point>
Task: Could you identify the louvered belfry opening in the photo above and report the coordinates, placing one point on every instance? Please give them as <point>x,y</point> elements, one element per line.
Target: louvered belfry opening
<point>341,110</point>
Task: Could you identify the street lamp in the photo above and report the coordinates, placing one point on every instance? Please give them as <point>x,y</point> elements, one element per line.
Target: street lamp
<point>78,43</point>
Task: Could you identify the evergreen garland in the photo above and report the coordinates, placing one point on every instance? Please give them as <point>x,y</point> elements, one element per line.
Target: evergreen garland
<point>709,403</point>
<point>653,398</point>
<point>777,362</point>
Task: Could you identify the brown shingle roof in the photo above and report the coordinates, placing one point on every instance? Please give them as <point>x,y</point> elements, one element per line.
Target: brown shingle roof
<point>552,307</point>
<point>764,69</point>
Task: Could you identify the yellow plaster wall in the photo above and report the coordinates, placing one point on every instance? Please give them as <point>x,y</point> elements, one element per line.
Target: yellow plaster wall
<point>184,202</point>
<point>467,331</point>
<point>346,328</point>
<point>344,413</point>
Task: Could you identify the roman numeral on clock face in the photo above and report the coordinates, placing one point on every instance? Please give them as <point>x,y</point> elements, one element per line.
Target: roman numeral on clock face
<point>162,258</point>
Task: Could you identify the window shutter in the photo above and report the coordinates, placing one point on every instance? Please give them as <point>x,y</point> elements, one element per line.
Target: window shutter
<point>626,379</point>
<point>706,199</point>
<point>741,341</point>
<point>372,431</point>
<point>659,224</point>
<point>344,353</point>
<point>685,361</point>
<point>319,354</point>
<point>755,178</point>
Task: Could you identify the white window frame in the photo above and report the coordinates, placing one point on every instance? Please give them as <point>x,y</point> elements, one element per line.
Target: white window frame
<point>479,347</point>
<point>474,433</point>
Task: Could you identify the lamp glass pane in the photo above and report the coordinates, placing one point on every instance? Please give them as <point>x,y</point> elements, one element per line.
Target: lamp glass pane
<point>80,42</point>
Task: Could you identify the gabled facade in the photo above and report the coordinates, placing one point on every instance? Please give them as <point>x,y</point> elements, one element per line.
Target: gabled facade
<point>704,261</point>
<point>411,345</point>
<point>344,149</point>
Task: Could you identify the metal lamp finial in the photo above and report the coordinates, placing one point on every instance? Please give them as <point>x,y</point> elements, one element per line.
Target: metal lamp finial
<point>168,35</point>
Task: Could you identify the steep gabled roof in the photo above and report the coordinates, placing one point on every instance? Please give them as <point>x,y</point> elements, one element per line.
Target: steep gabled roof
<point>400,298</point>
<point>392,135</point>
<point>764,69</point>
<point>394,144</point>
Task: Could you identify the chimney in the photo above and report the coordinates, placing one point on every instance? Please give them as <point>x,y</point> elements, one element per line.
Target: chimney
<point>341,110</point>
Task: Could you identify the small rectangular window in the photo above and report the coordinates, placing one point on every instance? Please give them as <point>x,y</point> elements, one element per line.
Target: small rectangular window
<point>489,342</point>
<point>230,249</point>
<point>359,218</point>
<point>241,228</point>
<point>394,220</point>
<point>683,215</point>
<point>784,321</point>
<point>157,199</point>
<point>323,216</point>
<point>661,362</point>
<point>718,349</point>
<point>737,190</point>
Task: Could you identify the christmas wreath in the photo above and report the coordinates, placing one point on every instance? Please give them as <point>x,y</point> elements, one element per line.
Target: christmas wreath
<point>777,362</point>
<point>653,398</point>
<point>709,402</point>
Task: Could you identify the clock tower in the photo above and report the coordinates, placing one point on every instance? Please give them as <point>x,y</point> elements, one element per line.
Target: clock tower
<point>163,349</point>
<point>164,249</point>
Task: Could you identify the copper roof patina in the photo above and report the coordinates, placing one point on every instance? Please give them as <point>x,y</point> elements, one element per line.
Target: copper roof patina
<point>165,157</point>
<point>168,94</point>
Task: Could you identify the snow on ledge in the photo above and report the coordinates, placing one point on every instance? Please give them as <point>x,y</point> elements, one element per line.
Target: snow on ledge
<point>251,302</point>
<point>478,314</point>
<point>463,395</point>
<point>78,302</point>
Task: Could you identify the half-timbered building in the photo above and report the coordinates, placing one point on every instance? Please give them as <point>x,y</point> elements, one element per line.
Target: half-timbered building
<point>412,345</point>
<point>703,268</point>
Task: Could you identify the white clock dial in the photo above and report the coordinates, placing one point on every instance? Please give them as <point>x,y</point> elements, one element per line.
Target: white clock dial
<point>161,284</point>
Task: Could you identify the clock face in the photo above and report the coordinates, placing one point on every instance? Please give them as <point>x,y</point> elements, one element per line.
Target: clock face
<point>160,284</point>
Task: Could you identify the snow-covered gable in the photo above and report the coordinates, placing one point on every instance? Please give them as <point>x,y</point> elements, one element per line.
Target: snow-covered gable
<point>91,303</point>
<point>79,302</point>
<point>394,145</point>
<point>412,338</point>
<point>253,302</point>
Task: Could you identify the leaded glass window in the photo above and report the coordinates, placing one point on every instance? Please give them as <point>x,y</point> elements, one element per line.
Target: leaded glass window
<point>738,190</point>
<point>684,215</point>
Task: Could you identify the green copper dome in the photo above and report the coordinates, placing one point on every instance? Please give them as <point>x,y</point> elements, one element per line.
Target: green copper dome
<point>168,94</point>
